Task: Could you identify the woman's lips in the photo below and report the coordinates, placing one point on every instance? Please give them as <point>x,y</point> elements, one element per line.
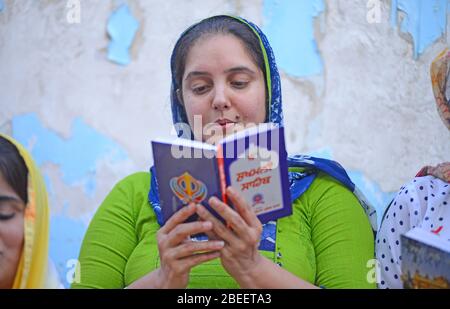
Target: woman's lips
<point>227,126</point>
<point>224,122</point>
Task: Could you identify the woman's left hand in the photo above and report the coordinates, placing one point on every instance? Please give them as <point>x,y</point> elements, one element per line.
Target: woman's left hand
<point>240,256</point>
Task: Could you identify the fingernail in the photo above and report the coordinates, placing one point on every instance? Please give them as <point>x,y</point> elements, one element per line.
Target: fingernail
<point>199,208</point>
<point>207,224</point>
<point>219,243</point>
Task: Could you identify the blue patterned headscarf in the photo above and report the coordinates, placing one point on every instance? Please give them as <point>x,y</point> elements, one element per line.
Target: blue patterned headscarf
<point>299,181</point>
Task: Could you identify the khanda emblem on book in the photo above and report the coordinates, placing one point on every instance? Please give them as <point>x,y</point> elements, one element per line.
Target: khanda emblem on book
<point>188,189</point>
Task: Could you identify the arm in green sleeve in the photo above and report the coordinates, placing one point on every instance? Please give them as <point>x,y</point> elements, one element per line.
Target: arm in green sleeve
<point>109,241</point>
<point>342,237</point>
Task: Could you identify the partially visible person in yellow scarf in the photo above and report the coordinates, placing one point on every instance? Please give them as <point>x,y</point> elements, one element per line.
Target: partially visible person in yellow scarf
<point>24,221</point>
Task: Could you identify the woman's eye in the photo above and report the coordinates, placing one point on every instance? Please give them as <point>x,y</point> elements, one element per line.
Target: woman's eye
<point>7,211</point>
<point>4,217</point>
<point>200,89</point>
<point>239,84</point>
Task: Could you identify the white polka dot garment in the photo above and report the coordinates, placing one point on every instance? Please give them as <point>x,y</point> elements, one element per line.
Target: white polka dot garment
<point>425,203</point>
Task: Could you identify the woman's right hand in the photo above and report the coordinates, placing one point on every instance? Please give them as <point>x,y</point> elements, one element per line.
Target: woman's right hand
<point>178,253</point>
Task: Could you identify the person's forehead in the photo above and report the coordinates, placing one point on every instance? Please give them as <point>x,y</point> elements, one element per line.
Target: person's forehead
<point>222,47</point>
<point>6,189</point>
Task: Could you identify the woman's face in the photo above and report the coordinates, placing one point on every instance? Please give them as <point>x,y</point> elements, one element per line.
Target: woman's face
<point>11,232</point>
<point>223,89</point>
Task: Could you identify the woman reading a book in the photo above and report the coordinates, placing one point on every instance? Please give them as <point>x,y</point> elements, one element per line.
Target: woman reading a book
<point>224,72</point>
<point>423,202</point>
<point>24,221</point>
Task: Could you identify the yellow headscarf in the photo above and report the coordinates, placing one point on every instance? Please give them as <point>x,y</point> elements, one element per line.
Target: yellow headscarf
<point>32,271</point>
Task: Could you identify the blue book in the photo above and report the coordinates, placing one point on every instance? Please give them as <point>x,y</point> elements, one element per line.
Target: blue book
<point>425,260</point>
<point>253,161</point>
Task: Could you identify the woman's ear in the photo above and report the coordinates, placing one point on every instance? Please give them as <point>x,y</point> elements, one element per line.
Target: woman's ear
<point>180,96</point>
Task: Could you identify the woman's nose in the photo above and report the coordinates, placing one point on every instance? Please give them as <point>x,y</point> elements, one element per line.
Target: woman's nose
<point>220,100</point>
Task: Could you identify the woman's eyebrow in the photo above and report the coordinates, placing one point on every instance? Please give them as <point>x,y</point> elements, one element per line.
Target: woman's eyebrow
<point>7,198</point>
<point>196,73</point>
<point>240,69</point>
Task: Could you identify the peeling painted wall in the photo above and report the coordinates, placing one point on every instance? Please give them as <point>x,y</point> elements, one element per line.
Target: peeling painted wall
<point>354,90</point>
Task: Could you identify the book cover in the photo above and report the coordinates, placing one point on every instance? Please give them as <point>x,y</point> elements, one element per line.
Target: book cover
<point>253,161</point>
<point>425,260</point>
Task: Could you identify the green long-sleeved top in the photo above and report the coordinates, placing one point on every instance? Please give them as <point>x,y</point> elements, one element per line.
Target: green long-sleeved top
<point>327,241</point>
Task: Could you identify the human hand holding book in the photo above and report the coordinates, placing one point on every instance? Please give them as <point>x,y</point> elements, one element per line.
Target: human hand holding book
<point>178,253</point>
<point>252,161</point>
<point>240,256</point>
